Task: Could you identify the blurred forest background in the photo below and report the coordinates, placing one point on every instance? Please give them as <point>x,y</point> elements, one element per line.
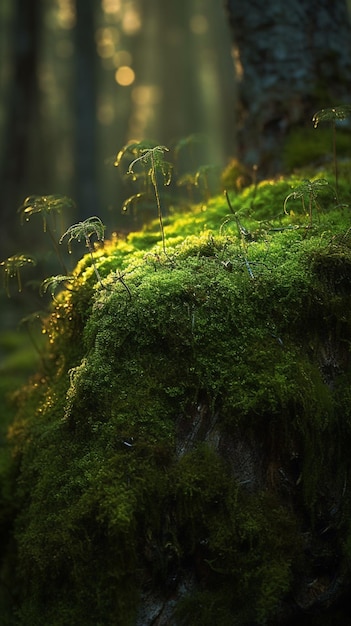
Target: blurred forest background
<point>79,79</point>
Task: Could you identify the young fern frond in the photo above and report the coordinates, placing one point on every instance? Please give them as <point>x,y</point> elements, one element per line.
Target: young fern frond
<point>85,230</point>
<point>52,283</point>
<point>243,234</point>
<point>307,189</point>
<point>47,207</point>
<point>12,269</point>
<point>154,159</point>
<point>132,147</point>
<point>333,115</point>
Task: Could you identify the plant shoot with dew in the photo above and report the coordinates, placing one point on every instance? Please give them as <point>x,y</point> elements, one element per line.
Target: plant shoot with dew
<point>154,159</point>
<point>11,269</point>
<point>48,207</point>
<point>333,115</point>
<point>310,190</point>
<point>85,230</point>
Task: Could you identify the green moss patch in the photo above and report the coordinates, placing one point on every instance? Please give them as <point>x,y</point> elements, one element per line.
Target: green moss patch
<point>195,425</point>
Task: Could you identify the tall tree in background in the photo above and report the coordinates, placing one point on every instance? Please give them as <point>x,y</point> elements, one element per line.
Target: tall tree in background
<point>21,112</point>
<point>292,58</point>
<point>85,93</point>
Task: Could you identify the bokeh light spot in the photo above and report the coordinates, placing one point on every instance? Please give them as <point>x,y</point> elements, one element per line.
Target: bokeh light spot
<point>111,7</point>
<point>125,76</point>
<point>131,22</point>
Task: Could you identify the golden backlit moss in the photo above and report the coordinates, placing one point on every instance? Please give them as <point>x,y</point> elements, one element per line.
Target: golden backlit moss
<point>195,422</point>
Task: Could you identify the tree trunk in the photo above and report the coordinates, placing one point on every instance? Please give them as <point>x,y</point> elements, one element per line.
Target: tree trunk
<point>21,110</point>
<point>291,59</point>
<point>86,195</point>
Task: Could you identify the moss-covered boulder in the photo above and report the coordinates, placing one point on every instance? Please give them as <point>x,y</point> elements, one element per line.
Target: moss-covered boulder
<point>183,456</point>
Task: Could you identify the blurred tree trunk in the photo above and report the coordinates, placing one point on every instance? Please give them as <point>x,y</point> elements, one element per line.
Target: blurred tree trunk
<point>85,110</point>
<point>21,110</point>
<point>291,59</point>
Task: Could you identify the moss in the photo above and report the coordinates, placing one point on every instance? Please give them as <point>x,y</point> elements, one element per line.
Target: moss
<point>127,447</point>
<point>245,545</point>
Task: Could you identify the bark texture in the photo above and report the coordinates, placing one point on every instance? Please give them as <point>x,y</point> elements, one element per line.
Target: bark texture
<point>291,58</point>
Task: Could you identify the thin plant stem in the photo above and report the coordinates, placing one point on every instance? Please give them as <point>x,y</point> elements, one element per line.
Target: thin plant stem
<point>158,201</point>
<point>335,165</point>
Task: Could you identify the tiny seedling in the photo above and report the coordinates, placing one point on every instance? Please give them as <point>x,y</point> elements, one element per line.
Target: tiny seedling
<point>243,233</point>
<point>12,269</point>
<point>154,159</point>
<point>85,230</point>
<point>333,115</point>
<point>310,190</point>
<point>52,283</point>
<point>48,207</point>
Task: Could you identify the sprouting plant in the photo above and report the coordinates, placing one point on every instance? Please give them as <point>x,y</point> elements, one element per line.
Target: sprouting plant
<point>154,160</point>
<point>52,283</point>
<point>127,153</point>
<point>12,269</point>
<point>48,207</point>
<point>243,233</point>
<point>132,147</point>
<point>310,190</point>
<point>332,115</point>
<point>85,230</point>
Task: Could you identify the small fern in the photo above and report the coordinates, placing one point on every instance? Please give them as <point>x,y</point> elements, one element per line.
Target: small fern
<point>48,207</point>
<point>84,231</point>
<point>310,190</point>
<point>45,206</point>
<point>12,269</point>
<point>333,115</point>
<point>153,159</point>
<point>52,283</point>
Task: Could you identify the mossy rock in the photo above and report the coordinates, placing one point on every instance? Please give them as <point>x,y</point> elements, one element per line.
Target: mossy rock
<point>184,456</point>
